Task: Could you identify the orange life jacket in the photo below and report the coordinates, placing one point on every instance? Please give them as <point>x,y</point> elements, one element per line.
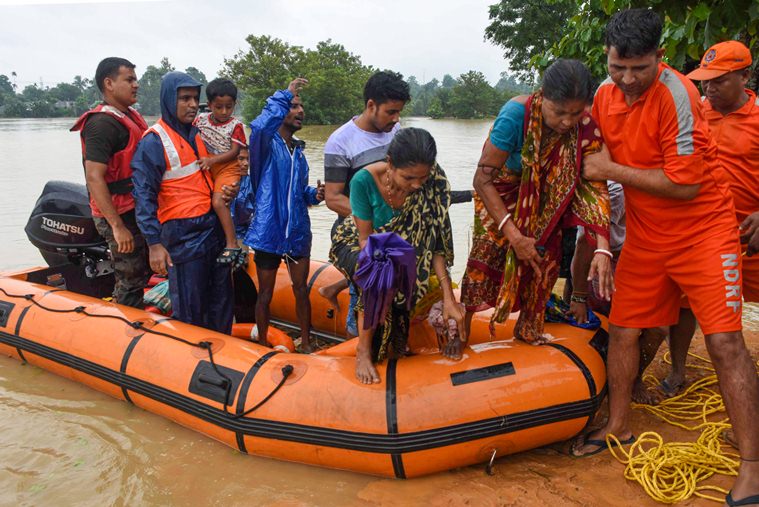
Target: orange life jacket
<point>186,189</point>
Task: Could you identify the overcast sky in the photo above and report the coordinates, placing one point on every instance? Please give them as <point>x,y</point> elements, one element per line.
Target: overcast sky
<point>55,40</point>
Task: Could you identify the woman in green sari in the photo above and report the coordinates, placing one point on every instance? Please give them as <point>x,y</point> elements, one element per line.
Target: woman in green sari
<point>407,194</point>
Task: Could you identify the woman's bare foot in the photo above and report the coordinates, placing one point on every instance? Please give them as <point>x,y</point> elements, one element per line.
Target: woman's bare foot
<point>642,395</point>
<point>454,349</point>
<point>330,293</point>
<point>366,373</point>
<point>528,332</point>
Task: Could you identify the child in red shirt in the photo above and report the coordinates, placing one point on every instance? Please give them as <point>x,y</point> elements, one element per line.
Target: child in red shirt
<point>224,136</point>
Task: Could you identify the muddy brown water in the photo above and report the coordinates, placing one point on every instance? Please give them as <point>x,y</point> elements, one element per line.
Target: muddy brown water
<point>64,444</point>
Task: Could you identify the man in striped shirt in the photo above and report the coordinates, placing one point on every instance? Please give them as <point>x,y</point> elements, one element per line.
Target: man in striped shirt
<point>361,141</point>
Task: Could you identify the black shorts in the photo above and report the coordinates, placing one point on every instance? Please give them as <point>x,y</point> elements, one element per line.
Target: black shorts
<point>268,260</point>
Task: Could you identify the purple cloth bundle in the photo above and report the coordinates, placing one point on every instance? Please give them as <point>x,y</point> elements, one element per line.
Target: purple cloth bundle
<point>386,265</point>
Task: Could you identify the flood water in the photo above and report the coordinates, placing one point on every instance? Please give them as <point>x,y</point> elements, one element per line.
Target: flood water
<point>64,444</point>
<point>36,151</point>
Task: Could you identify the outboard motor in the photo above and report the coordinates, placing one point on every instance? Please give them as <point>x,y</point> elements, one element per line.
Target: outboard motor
<point>61,227</point>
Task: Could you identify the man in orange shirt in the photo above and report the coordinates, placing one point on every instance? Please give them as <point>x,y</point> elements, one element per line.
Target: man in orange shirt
<point>682,236</point>
<point>733,115</point>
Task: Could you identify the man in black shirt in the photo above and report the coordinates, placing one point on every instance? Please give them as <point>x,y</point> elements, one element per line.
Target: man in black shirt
<point>110,133</point>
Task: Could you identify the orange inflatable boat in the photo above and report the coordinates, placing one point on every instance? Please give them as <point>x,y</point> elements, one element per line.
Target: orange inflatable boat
<point>428,414</point>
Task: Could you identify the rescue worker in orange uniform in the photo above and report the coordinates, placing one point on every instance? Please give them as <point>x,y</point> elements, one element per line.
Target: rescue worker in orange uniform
<point>173,205</point>
<point>682,235</point>
<point>732,111</point>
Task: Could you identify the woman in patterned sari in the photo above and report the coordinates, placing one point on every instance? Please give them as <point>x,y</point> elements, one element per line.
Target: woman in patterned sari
<point>529,187</point>
<point>407,194</point>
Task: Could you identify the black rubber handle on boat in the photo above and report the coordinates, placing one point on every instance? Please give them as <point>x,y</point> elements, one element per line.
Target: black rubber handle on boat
<point>213,381</point>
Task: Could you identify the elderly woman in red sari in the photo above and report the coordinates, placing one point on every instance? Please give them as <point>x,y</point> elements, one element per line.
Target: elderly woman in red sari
<point>529,187</point>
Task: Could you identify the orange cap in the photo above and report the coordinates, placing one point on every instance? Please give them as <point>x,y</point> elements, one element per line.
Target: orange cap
<point>722,58</point>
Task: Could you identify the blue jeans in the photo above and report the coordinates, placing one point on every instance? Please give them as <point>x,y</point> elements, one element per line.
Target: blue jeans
<point>351,324</point>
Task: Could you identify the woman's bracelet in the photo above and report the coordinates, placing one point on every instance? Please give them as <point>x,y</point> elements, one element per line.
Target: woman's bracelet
<point>444,277</point>
<point>603,252</point>
<point>503,221</point>
<point>578,299</point>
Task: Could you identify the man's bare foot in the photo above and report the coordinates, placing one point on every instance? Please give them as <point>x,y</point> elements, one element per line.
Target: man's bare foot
<point>672,385</point>
<point>305,346</point>
<point>366,373</point>
<point>330,293</point>
<point>642,395</point>
<point>729,437</point>
<point>453,349</point>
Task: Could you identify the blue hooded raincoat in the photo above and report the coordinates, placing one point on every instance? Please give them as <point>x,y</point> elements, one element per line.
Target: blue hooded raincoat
<point>278,192</point>
<point>199,287</point>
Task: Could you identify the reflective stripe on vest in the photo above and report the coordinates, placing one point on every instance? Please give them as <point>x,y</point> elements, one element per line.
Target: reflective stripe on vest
<point>176,169</point>
<point>185,190</point>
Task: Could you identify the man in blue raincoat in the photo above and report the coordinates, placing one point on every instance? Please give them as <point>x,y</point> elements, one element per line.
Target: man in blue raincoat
<point>280,228</point>
<point>173,207</point>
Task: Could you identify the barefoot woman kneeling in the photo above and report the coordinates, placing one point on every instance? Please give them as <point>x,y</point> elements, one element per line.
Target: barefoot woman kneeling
<point>407,194</point>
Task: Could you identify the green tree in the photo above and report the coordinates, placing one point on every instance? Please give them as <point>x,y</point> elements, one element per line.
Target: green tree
<point>33,93</point>
<point>435,109</point>
<point>15,107</point>
<point>473,97</point>
<point>511,85</point>
<point>413,86</point>
<point>197,75</point>
<point>65,91</point>
<point>443,97</point>
<point>690,27</point>
<point>421,98</point>
<point>448,82</point>
<point>6,87</point>
<point>336,77</point>
<point>267,65</point>
<point>336,83</point>
<point>149,94</point>
<point>82,83</point>
<point>527,29</point>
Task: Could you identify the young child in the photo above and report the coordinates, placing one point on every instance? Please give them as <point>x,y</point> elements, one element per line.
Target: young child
<point>224,136</point>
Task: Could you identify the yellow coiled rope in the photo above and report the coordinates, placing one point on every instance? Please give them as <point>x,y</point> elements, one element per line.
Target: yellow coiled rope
<point>671,472</point>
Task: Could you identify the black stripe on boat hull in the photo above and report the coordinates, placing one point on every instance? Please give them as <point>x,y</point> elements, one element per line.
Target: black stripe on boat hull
<point>316,274</point>
<point>125,361</point>
<point>18,330</point>
<point>243,397</point>
<point>343,439</point>
<point>580,365</point>
<point>391,411</point>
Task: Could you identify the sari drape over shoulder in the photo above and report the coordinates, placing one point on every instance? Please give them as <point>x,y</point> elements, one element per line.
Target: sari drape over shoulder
<point>424,223</point>
<point>549,195</point>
